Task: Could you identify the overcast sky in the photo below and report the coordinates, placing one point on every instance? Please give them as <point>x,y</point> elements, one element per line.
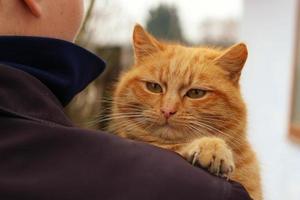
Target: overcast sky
<point>123,14</point>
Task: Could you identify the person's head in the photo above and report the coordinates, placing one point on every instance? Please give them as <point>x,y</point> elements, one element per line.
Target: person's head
<point>46,18</point>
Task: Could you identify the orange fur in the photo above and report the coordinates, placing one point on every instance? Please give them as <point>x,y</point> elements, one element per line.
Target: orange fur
<point>209,131</point>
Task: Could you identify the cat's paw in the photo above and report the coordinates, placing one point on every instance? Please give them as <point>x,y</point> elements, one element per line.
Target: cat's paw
<point>212,154</point>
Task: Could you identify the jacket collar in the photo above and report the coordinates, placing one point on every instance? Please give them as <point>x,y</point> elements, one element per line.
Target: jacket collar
<point>63,67</point>
<point>24,96</point>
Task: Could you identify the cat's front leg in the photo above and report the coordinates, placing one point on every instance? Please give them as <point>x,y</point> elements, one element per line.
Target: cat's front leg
<point>211,153</point>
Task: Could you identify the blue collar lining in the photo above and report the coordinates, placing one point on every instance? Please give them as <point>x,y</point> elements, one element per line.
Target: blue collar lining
<point>63,67</point>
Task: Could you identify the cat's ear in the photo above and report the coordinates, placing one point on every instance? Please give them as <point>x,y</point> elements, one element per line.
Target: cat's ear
<point>233,60</point>
<point>144,44</point>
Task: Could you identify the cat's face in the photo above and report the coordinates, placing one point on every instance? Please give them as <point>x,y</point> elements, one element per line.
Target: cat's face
<point>179,93</point>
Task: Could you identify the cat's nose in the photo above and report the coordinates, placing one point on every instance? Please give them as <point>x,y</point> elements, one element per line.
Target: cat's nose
<point>167,112</point>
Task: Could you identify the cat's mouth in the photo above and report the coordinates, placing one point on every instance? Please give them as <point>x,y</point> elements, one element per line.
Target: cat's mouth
<point>168,132</point>
<point>167,126</point>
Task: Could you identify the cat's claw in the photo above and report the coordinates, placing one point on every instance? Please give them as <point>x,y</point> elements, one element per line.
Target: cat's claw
<point>212,154</point>
<point>194,160</point>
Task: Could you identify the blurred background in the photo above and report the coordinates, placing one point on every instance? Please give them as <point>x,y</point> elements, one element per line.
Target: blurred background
<point>270,80</point>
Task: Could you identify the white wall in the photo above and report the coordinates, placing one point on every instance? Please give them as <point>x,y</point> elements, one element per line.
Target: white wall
<point>268,27</point>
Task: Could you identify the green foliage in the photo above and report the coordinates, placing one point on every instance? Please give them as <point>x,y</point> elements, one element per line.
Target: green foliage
<point>163,23</point>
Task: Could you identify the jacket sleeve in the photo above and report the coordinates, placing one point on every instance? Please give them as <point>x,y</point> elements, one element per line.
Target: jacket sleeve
<point>51,162</point>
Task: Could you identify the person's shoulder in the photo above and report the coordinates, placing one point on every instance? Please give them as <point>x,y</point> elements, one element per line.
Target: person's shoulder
<point>163,174</point>
<point>109,166</point>
<point>237,192</point>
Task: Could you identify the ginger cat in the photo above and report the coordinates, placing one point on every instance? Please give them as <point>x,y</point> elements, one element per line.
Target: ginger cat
<point>187,99</point>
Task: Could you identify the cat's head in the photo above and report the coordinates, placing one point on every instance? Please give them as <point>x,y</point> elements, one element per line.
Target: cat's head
<point>177,92</point>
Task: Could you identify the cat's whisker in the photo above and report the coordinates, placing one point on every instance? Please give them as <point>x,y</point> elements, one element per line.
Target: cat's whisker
<point>120,102</point>
<point>196,132</point>
<point>216,120</point>
<point>119,114</point>
<point>120,125</point>
<point>227,135</point>
<point>109,118</point>
<point>123,114</point>
<point>125,126</point>
<point>208,125</point>
<point>205,125</point>
<point>202,130</point>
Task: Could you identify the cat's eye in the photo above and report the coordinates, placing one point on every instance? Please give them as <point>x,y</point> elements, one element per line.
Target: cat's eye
<point>154,87</point>
<point>195,93</point>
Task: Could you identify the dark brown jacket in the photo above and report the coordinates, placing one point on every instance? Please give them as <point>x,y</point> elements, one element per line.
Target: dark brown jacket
<point>44,157</point>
